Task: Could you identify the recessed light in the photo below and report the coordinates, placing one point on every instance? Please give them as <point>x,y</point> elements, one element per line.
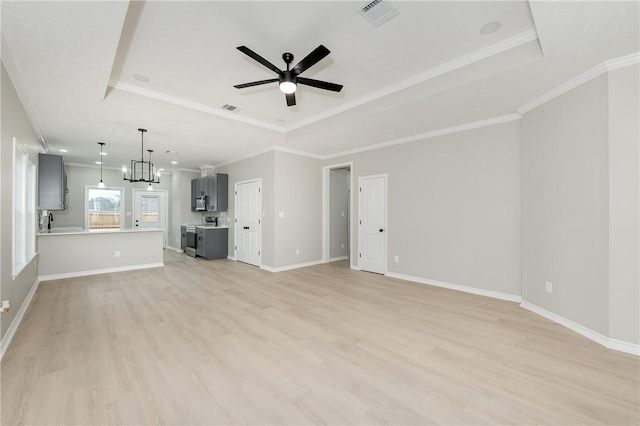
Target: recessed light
<point>98,162</point>
<point>63,150</point>
<point>103,153</point>
<point>490,28</point>
<point>160,170</point>
<point>141,77</point>
<point>174,162</point>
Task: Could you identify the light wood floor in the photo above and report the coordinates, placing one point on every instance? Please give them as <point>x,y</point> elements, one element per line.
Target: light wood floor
<point>220,342</point>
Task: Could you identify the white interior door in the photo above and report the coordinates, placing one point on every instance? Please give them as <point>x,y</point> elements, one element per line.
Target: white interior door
<point>372,220</point>
<point>248,222</point>
<point>150,210</point>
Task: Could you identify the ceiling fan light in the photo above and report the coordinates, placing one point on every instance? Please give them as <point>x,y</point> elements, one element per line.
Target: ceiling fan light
<point>287,87</point>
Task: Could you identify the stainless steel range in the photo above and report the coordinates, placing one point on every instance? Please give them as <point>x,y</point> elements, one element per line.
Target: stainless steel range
<point>190,248</point>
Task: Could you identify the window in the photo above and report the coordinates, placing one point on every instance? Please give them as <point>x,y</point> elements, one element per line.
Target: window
<point>104,208</point>
<point>150,209</point>
<point>24,208</point>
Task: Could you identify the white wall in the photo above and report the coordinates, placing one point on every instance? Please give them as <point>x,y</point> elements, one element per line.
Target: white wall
<point>14,123</point>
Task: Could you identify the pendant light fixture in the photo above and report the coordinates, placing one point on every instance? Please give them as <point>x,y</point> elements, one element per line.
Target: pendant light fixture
<point>142,171</point>
<point>101,183</point>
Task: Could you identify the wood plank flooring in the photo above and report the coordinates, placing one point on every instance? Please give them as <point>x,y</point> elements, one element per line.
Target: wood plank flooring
<point>221,342</point>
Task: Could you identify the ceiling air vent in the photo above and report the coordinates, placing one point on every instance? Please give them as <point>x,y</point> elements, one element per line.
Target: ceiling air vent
<point>378,12</point>
<point>229,107</point>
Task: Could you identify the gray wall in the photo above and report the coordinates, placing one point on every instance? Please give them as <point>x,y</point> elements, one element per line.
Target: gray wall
<point>565,205</point>
<point>624,204</point>
<point>261,166</point>
<point>70,254</point>
<point>298,193</point>
<point>14,123</point>
<point>339,213</point>
<point>78,177</point>
<point>454,206</point>
<point>180,205</point>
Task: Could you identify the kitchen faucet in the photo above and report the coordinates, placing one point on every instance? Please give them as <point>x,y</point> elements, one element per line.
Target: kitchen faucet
<point>50,220</point>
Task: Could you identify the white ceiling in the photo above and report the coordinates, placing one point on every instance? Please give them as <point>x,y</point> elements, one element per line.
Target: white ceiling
<point>426,69</point>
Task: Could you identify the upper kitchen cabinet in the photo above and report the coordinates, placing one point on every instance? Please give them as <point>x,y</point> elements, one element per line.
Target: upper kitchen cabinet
<point>217,192</point>
<point>52,183</point>
<point>216,188</point>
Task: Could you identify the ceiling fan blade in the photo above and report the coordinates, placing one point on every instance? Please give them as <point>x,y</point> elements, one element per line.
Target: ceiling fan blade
<point>255,83</point>
<point>253,55</point>
<point>320,84</point>
<point>311,59</point>
<point>291,99</point>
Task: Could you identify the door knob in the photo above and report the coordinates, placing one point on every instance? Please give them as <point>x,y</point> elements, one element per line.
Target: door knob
<point>382,230</point>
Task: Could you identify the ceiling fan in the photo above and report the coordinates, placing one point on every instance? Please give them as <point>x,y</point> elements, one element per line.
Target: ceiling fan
<point>289,78</point>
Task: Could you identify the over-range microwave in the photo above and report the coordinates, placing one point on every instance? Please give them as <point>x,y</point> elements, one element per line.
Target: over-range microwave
<point>201,203</point>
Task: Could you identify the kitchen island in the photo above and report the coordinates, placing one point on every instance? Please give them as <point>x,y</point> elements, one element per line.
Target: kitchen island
<point>74,252</point>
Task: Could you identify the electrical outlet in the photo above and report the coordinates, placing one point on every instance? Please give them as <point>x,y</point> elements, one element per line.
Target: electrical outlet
<point>396,259</point>
<point>297,251</point>
<point>117,253</point>
<point>548,287</point>
<point>342,245</point>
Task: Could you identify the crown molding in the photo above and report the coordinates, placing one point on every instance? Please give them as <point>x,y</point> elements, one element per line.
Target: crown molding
<point>422,136</point>
<point>298,152</point>
<point>247,156</point>
<point>14,76</point>
<point>92,166</point>
<point>430,135</point>
<point>188,170</point>
<point>461,62</point>
<point>594,72</point>
<point>126,87</point>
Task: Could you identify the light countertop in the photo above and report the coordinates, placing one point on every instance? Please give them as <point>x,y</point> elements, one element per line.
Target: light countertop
<point>82,231</point>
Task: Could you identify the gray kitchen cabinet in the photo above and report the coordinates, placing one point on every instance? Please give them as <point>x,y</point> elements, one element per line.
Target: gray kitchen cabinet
<point>52,183</point>
<point>218,192</point>
<point>212,243</point>
<point>183,237</point>
<point>215,187</point>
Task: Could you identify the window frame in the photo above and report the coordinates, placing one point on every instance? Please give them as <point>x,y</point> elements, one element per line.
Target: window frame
<point>23,234</point>
<point>111,188</point>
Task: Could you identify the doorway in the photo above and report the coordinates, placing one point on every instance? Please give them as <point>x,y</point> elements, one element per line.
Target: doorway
<point>372,223</point>
<point>337,217</point>
<point>150,210</point>
<point>248,235</point>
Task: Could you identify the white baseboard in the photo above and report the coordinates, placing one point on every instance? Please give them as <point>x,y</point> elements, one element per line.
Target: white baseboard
<point>339,258</point>
<point>6,340</point>
<point>466,289</point>
<point>99,271</point>
<point>354,267</point>
<point>618,345</point>
<point>290,267</point>
<point>177,250</point>
<point>231,257</point>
